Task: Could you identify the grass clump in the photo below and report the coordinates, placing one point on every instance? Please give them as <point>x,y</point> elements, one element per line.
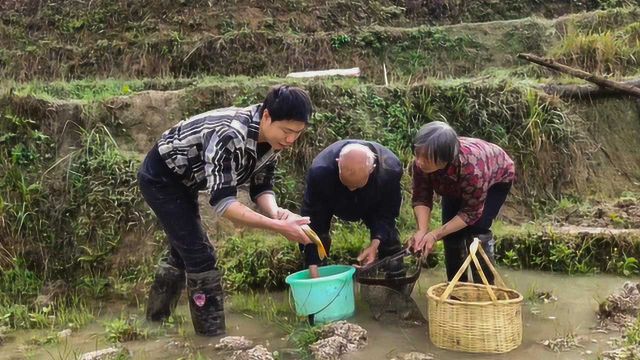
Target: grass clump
<point>257,261</point>
<point>608,52</point>
<point>632,334</point>
<point>573,253</point>
<point>72,312</point>
<point>65,213</point>
<point>125,329</point>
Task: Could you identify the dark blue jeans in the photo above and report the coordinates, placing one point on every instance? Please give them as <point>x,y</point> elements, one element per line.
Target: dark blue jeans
<point>456,245</point>
<point>176,207</point>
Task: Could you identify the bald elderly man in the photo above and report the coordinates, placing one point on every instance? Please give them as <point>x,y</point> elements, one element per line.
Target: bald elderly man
<point>354,180</point>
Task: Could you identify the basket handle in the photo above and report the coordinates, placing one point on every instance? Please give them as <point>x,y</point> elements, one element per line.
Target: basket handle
<point>495,273</point>
<point>472,257</point>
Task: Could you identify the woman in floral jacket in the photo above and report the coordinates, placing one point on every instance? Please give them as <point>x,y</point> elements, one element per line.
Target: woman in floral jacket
<point>473,178</point>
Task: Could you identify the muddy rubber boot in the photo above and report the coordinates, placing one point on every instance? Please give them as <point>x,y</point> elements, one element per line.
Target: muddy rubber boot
<point>206,302</point>
<point>165,292</point>
<point>455,254</point>
<point>488,245</point>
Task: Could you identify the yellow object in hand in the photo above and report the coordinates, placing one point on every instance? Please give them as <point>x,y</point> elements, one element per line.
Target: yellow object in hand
<point>322,253</point>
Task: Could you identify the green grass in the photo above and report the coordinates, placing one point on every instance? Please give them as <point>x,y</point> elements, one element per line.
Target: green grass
<point>607,52</point>
<point>70,312</point>
<point>545,249</point>
<point>632,334</point>
<point>72,211</point>
<point>125,329</point>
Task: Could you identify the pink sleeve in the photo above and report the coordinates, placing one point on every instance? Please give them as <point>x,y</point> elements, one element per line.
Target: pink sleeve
<point>422,189</point>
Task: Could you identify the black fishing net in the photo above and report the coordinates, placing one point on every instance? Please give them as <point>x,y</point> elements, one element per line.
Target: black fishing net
<point>386,287</point>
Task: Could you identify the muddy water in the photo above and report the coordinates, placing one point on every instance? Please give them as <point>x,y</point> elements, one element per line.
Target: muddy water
<point>578,297</point>
<point>574,312</point>
<point>170,344</point>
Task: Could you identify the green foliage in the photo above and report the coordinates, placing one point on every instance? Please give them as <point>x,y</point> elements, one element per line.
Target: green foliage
<point>70,213</point>
<point>257,261</point>
<point>632,334</point>
<point>88,90</point>
<point>606,52</point>
<point>18,284</point>
<point>340,40</point>
<point>71,312</point>
<point>94,286</point>
<point>510,259</point>
<point>125,329</point>
<point>288,188</point>
<point>347,241</point>
<point>628,266</point>
<point>612,4</point>
<point>570,253</point>
<point>18,317</point>
<point>143,39</point>
<point>48,339</point>
<point>302,336</point>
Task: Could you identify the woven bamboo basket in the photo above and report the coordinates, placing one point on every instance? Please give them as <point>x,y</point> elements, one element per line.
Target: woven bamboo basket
<point>479,318</point>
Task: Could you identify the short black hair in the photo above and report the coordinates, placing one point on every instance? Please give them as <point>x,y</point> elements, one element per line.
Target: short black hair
<point>437,141</point>
<point>287,103</point>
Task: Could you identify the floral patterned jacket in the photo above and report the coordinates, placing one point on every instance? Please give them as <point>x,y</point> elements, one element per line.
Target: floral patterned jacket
<point>480,164</point>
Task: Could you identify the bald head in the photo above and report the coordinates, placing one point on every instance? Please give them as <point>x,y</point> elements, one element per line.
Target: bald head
<point>355,164</point>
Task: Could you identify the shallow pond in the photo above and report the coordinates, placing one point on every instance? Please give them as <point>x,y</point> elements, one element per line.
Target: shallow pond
<point>573,312</point>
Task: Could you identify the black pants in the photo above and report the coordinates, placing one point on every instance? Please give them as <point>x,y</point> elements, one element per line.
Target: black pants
<point>176,207</point>
<point>456,245</point>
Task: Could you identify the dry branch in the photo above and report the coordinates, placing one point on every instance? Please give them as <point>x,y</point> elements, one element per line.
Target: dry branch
<point>598,80</point>
<point>584,91</point>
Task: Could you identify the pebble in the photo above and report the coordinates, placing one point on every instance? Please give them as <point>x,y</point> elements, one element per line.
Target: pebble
<point>258,352</point>
<point>234,343</point>
<point>104,354</point>
<point>414,356</point>
<point>64,333</point>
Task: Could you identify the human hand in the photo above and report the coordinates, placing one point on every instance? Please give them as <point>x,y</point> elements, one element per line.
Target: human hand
<point>292,229</point>
<point>426,244</point>
<point>369,255</point>
<point>415,240</point>
<point>284,214</point>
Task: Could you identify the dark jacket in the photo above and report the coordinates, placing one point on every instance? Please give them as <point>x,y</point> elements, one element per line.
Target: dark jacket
<point>377,204</point>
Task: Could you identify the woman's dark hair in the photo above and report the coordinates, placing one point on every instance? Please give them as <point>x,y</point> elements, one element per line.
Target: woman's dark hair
<point>287,103</point>
<point>438,142</point>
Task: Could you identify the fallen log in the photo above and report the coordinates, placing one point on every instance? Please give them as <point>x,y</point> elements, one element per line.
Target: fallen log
<point>584,91</point>
<point>598,80</point>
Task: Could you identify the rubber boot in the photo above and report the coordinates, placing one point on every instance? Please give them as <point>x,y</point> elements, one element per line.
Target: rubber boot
<point>455,254</point>
<point>206,302</point>
<point>165,292</point>
<point>488,245</point>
